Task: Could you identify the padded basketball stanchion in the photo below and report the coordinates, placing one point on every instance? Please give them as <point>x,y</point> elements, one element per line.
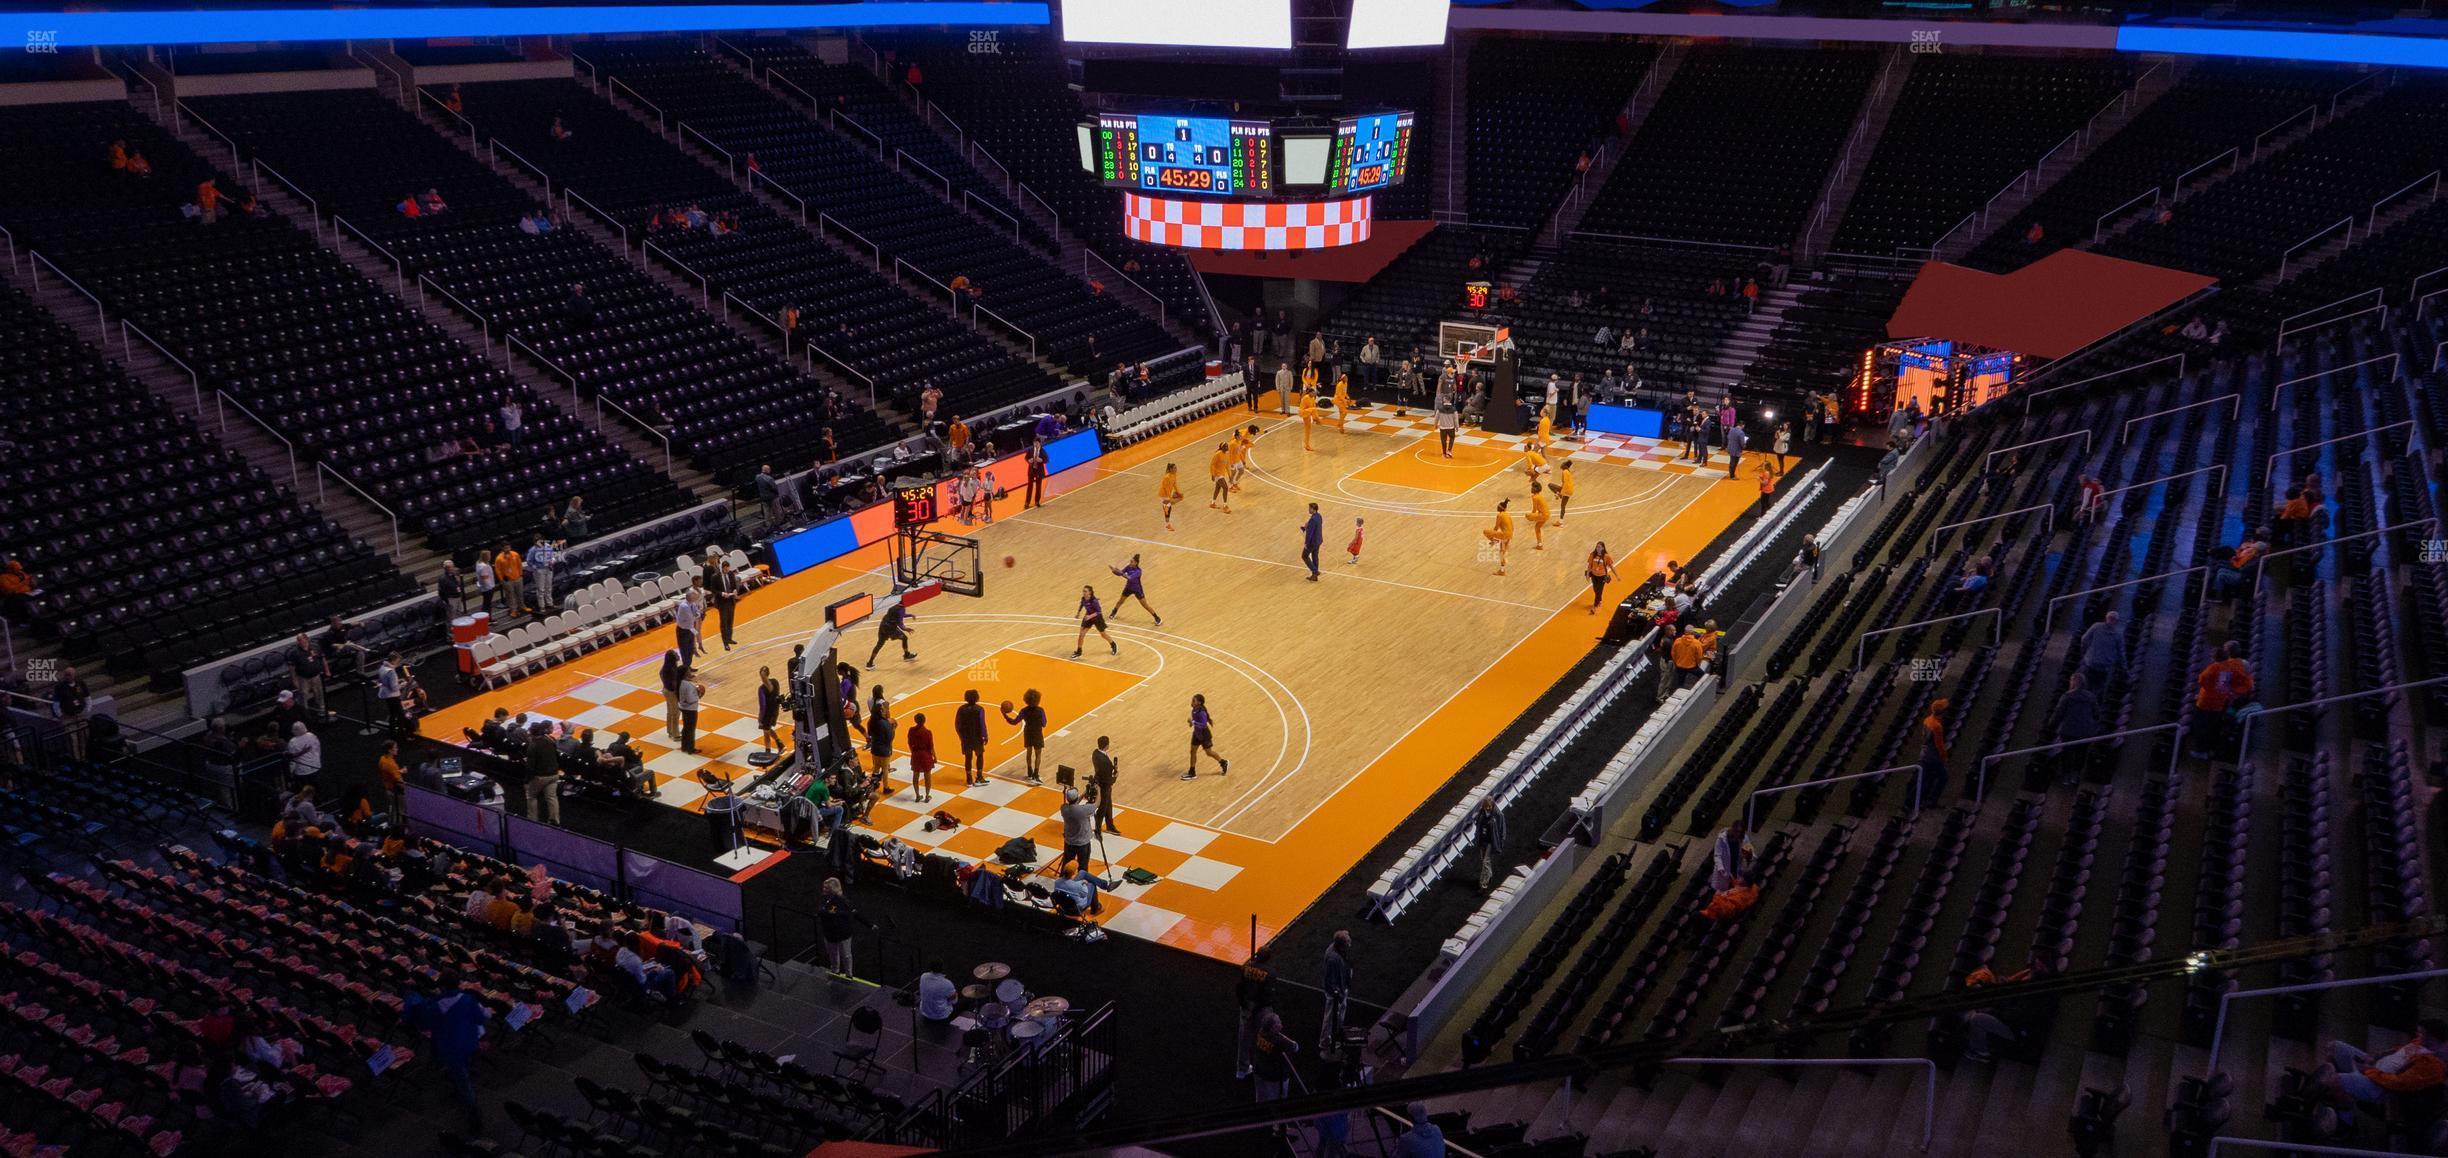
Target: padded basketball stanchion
<point>1503,414</point>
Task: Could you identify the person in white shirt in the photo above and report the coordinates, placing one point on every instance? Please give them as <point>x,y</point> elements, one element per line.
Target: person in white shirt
<point>305,754</point>
<point>688,618</point>
<point>935,993</point>
<point>387,689</point>
<point>479,899</point>
<point>540,560</point>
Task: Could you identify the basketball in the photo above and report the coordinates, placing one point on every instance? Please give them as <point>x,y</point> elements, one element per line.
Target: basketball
<point>1007,707</point>
<point>1008,561</point>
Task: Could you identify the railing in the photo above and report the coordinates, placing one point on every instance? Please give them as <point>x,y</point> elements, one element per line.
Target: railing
<point>814,351</point>
<point>775,76</point>
<point>760,315</point>
<point>2413,288</point>
<point>730,163</point>
<point>934,111</point>
<point>841,118</point>
<point>11,239</point>
<point>2269,468</point>
<point>495,146</point>
<point>2235,403</point>
<point>1088,255</point>
<point>705,288</point>
<point>2048,616</point>
<point>979,204</point>
<point>1980,775</point>
<point>1997,630</point>
<point>2323,545</point>
<point>1028,194</point>
<point>2394,372</point>
<point>950,295</point>
<point>400,80</point>
<point>101,320</point>
<point>2367,78</point>
<point>513,340</point>
<point>2049,528</point>
<point>755,175</point>
<point>314,212</point>
<point>901,155</point>
<point>980,157</point>
<point>454,114</point>
<point>2027,181</point>
<point>195,381</point>
<point>1649,238</point>
<point>568,196</point>
<point>1215,317</point>
<point>2234,153</point>
<point>2286,325</point>
<point>827,219</point>
<point>399,267</point>
<point>975,310</point>
<point>2291,1147</point>
<point>221,404</point>
<point>2099,228</point>
<point>2432,179</point>
<point>2179,359</point>
<point>2084,435</point>
<point>482,325</point>
<point>739,52</point>
<point>662,122</point>
<point>2218,1027</point>
<point>594,80</point>
<point>1751,806</point>
<point>322,469</point>
<point>2311,110</point>
<point>235,161</point>
<point>1060,1082</point>
<point>146,81</point>
<point>2289,255</point>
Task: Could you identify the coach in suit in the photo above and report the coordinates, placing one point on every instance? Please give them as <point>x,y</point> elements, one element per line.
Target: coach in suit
<point>727,588</point>
<point>1103,770</point>
<point>1313,537</point>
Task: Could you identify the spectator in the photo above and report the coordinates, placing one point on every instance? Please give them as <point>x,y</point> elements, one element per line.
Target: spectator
<point>393,779</point>
<point>16,591</point>
<point>836,922</point>
<point>2349,1076</point>
<point>1688,653</point>
<point>1271,1053</point>
<point>389,690</point>
<point>1337,984</point>
<point>574,521</point>
<point>579,309</point>
<point>542,555</point>
<point>1488,831</point>
<point>1933,753</point>
<point>1253,993</point>
<point>543,791</point>
<point>2074,717</point>
<point>2222,685</point>
<point>305,751</point>
<point>455,1023</point>
<point>2103,653</point>
<point>486,581</point>
<point>1424,1139</point>
<point>511,572</point>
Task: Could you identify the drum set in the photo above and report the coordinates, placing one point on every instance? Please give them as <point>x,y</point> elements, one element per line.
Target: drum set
<point>998,1017</point>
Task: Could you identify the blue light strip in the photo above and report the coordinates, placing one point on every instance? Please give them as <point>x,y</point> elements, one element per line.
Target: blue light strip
<point>81,29</point>
<point>2334,47</point>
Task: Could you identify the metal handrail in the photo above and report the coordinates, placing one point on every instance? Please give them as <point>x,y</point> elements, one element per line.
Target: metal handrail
<point>222,400</point>
<point>978,153</point>
<point>901,154</point>
<point>2152,482</point>
<point>705,287</point>
<point>1029,194</point>
<point>773,74</point>
<point>760,315</point>
<point>755,174</point>
<point>322,468</point>
<point>495,145</point>
<point>11,239</point>
<point>2269,468</point>
<point>2433,177</point>
<point>2284,333</point>
<point>510,340</point>
<point>2413,288</point>
<point>314,211</point>
<point>2099,228</point>
<point>594,79</point>
<point>2312,109</point>
<point>1997,631</point>
<point>742,53</point>
<point>400,267</point>
<point>730,161</point>
<point>2324,545</point>
<point>1647,237</point>
<point>662,122</point>
<point>975,309</point>
<point>2395,371</point>
<point>2292,1147</point>
<point>2357,83</point>
<point>1751,805</point>
<point>1087,255</point>
<point>568,195</point>
<point>2289,255</point>
<point>2048,613</point>
<point>180,106</point>
<point>101,318</point>
<point>2235,403</point>
<point>424,95</point>
<point>1980,775</point>
<point>2084,435</point>
<point>2218,1028</point>
<point>823,219</point>
<point>2048,508</point>
<point>399,79</point>
<point>951,295</point>
<point>2177,187</point>
<point>2179,359</point>
<point>146,81</point>
<point>975,202</point>
<point>845,367</point>
<point>935,110</point>
<point>841,118</point>
<point>483,325</point>
<point>2376,293</point>
<point>194,380</point>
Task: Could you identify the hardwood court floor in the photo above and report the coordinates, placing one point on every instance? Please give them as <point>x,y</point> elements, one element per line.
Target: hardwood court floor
<point>1342,703</point>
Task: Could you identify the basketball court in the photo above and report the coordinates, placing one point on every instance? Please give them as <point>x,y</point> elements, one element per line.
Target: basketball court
<point>1341,704</point>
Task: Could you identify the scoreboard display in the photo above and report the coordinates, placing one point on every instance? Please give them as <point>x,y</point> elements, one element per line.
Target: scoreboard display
<point>1199,156</point>
<point>1371,152</point>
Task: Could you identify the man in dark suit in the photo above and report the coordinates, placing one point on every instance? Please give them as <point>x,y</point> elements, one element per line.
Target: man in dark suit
<point>1103,770</point>
<point>1313,537</point>
<point>727,587</point>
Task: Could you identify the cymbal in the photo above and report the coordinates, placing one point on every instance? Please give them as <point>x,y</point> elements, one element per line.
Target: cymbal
<point>977,991</point>
<point>991,971</point>
<point>1047,1006</point>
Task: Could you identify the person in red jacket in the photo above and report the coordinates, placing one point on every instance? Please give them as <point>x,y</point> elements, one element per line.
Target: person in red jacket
<point>921,758</point>
<point>2224,683</point>
<point>2349,1076</point>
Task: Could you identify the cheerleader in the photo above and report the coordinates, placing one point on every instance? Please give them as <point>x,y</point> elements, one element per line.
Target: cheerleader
<point>1501,534</point>
<point>1169,492</point>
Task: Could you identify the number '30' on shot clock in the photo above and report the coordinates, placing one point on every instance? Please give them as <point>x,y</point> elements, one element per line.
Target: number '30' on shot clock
<point>914,506</point>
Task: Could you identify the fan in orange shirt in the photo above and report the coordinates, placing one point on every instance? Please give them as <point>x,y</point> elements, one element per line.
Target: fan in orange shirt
<point>1169,492</point>
<point>1219,468</point>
